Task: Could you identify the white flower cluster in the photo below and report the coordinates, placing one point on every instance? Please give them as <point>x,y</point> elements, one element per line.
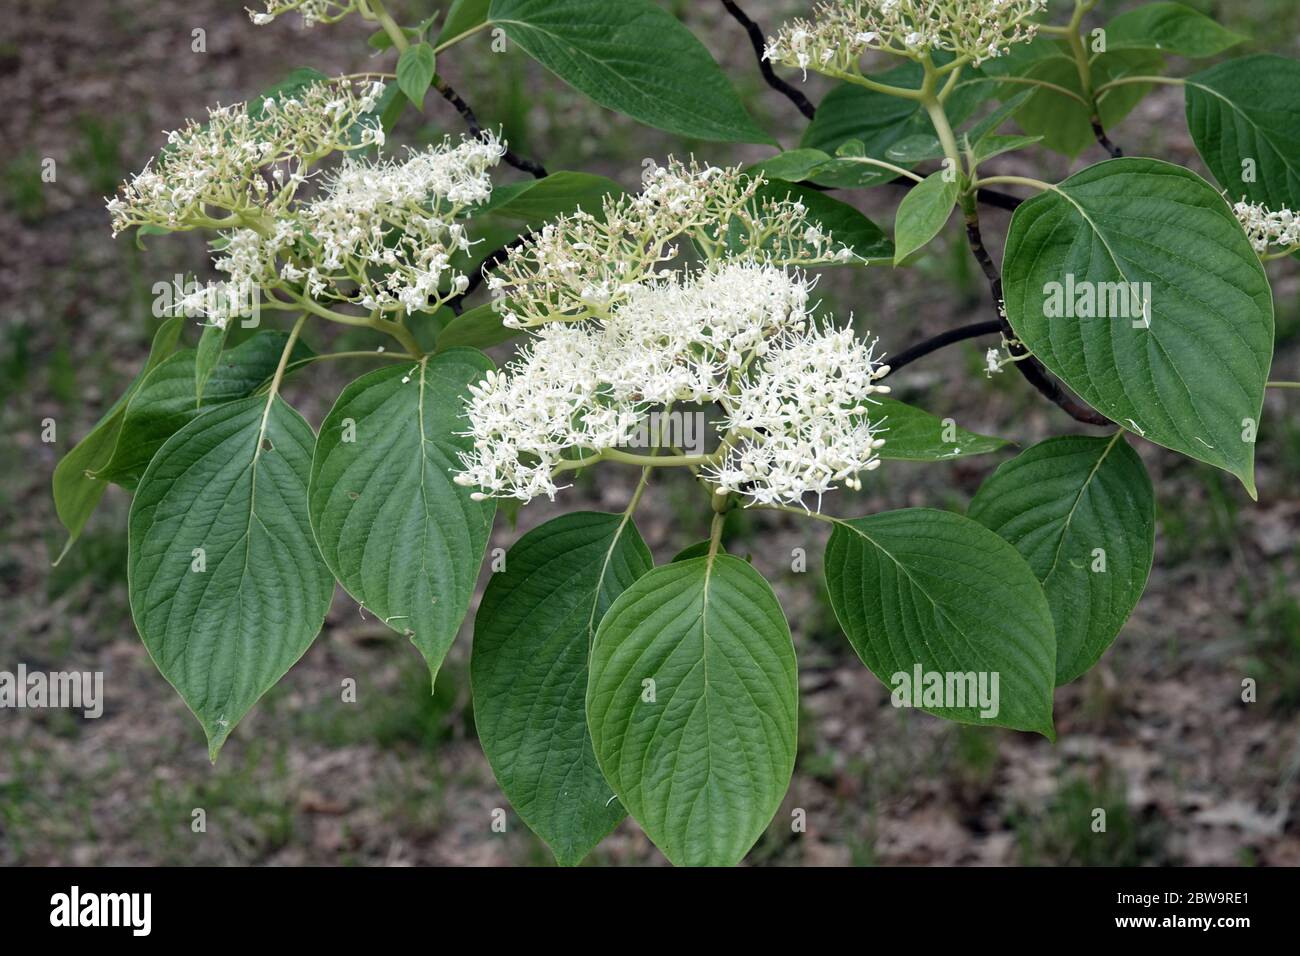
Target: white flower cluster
<point>841,31</point>
<point>737,333</point>
<point>582,265</point>
<point>1265,228</point>
<point>246,160</point>
<point>378,234</point>
<point>802,419</point>
<point>385,232</point>
<point>311,11</point>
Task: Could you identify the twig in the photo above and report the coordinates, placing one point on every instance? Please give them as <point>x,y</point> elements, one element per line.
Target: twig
<point>1100,133</point>
<point>959,334</point>
<point>990,197</point>
<point>490,261</point>
<point>514,159</point>
<point>1029,366</point>
<point>756,40</point>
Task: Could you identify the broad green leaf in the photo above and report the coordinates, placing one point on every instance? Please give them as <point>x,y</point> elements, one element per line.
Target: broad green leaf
<point>390,105</point>
<point>700,549</point>
<point>911,434</point>
<point>537,200</point>
<point>515,207</point>
<point>633,57</point>
<point>1082,513</point>
<point>842,221</point>
<point>988,125</point>
<point>995,145</point>
<point>693,706</point>
<point>793,165</point>
<point>461,16</point>
<point>227,587</point>
<point>923,212</point>
<point>1063,122</point>
<point>1244,117</point>
<point>878,121</point>
<point>934,590</point>
<point>164,402</point>
<point>1191,377</point>
<point>206,356</point>
<point>415,69</point>
<point>478,328</point>
<point>532,632</point>
<point>1170,28</point>
<point>76,490</point>
<point>380,40</point>
<point>402,538</point>
<point>911,149</point>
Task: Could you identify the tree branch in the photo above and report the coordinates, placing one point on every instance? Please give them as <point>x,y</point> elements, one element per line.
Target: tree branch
<point>1100,133</point>
<point>1029,366</point>
<point>756,40</point>
<point>514,159</point>
<point>959,334</point>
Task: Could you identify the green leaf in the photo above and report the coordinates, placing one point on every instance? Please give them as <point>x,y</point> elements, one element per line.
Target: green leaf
<point>988,125</point>
<point>923,212</point>
<point>461,16</point>
<point>879,121</point>
<point>537,200</point>
<point>933,589</point>
<point>995,145</point>
<point>76,491</point>
<point>844,222</point>
<point>380,40</point>
<point>390,105</point>
<point>911,434</point>
<point>1170,28</point>
<point>529,668</point>
<point>632,57</point>
<point>1192,379</point>
<point>233,483</point>
<point>793,165</point>
<point>211,342</point>
<point>700,549</point>
<point>402,538</point>
<point>910,150</point>
<point>478,328</point>
<point>1065,123</point>
<point>702,756</point>
<point>164,402</point>
<point>1058,503</point>
<point>517,206</point>
<point>1244,118</point>
<point>415,69</point>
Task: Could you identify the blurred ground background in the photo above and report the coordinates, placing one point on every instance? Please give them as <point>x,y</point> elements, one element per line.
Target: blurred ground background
<point>1156,734</point>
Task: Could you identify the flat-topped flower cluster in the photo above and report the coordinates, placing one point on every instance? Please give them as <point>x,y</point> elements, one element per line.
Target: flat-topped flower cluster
<point>841,31</point>
<point>379,234</point>
<point>311,11</point>
<point>1267,227</point>
<point>617,334</point>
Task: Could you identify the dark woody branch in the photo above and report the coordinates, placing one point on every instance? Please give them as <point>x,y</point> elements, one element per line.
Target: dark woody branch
<point>451,96</point>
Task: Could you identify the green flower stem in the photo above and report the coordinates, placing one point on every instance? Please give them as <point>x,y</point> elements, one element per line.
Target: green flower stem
<point>1013,180</point>
<point>896,170</point>
<point>1055,88</point>
<point>379,14</point>
<point>857,80</point>
<point>1282,384</point>
<point>395,329</point>
<point>461,36</point>
<point>1105,88</point>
